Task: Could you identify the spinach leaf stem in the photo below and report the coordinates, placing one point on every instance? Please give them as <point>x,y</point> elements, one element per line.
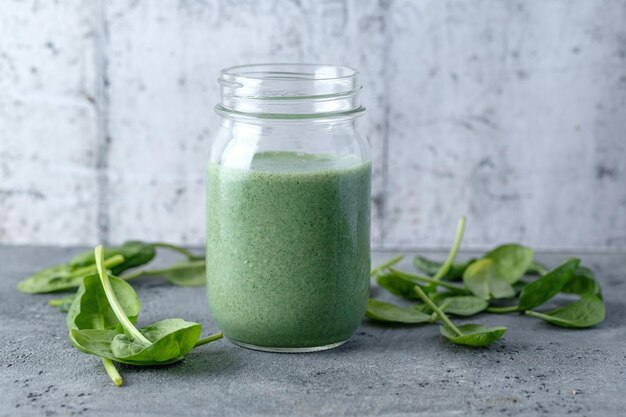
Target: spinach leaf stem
<point>114,260</point>
<point>115,305</point>
<point>386,264</point>
<point>499,310</point>
<point>112,372</point>
<point>423,278</point>
<point>437,310</point>
<point>209,339</point>
<point>460,230</point>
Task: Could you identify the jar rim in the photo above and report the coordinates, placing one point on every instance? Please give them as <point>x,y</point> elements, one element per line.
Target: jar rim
<point>237,71</point>
<point>289,90</point>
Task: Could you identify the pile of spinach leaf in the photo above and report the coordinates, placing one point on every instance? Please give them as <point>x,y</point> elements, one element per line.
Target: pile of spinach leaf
<point>119,260</point>
<point>101,314</point>
<point>101,322</point>
<point>506,279</point>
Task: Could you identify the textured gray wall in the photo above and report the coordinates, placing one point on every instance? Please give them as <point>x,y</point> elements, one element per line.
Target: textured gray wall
<point>513,112</point>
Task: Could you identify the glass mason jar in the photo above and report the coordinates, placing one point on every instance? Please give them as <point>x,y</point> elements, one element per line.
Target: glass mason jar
<point>288,208</point>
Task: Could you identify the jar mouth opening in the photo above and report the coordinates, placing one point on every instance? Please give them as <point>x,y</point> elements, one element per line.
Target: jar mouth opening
<point>285,72</point>
<point>273,90</point>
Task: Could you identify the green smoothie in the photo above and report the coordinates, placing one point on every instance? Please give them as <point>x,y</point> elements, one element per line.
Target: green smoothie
<point>288,249</point>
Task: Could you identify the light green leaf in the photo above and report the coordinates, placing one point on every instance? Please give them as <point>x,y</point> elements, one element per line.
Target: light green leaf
<point>475,335</point>
<point>170,339</point>
<point>511,261</point>
<point>464,305</point>
<point>91,309</point>
<point>382,311</point>
<point>483,280</point>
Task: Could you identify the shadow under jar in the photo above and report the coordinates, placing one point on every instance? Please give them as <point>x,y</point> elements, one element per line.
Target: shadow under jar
<point>288,208</point>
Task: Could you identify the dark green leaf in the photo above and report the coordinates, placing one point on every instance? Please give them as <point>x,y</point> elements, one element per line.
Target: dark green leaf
<point>135,254</point>
<point>586,312</point>
<point>170,339</point>
<point>511,261</point>
<point>420,280</point>
<point>473,334</point>
<point>382,311</point>
<point>483,280</point>
<point>544,288</point>
<point>431,267</point>
<point>583,283</point>
<point>397,286</point>
<point>519,286</point>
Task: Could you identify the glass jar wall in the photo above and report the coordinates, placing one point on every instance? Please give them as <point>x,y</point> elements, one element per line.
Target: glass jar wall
<point>288,208</point>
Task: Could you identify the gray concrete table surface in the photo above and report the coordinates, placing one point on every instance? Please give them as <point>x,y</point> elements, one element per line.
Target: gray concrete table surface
<point>536,369</point>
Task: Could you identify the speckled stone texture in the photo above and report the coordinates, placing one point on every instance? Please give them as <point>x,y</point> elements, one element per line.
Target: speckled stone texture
<point>535,370</point>
<point>512,112</point>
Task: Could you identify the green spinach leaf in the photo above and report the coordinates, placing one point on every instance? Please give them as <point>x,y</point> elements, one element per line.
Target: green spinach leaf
<point>588,311</point>
<point>430,267</point>
<point>475,335</point>
<point>511,261</point>
<point>463,305</point>
<point>131,254</point>
<point>468,334</point>
<point>162,342</point>
<point>62,277</point>
<point>169,339</point>
<point>544,288</point>
<point>483,279</point>
<point>583,283</point>
<point>91,309</point>
<point>98,342</point>
<point>382,311</point>
<point>418,279</point>
<point>397,286</point>
<point>135,254</point>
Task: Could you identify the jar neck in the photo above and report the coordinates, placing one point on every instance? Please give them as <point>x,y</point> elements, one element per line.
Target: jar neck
<point>290,92</point>
<point>253,124</point>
